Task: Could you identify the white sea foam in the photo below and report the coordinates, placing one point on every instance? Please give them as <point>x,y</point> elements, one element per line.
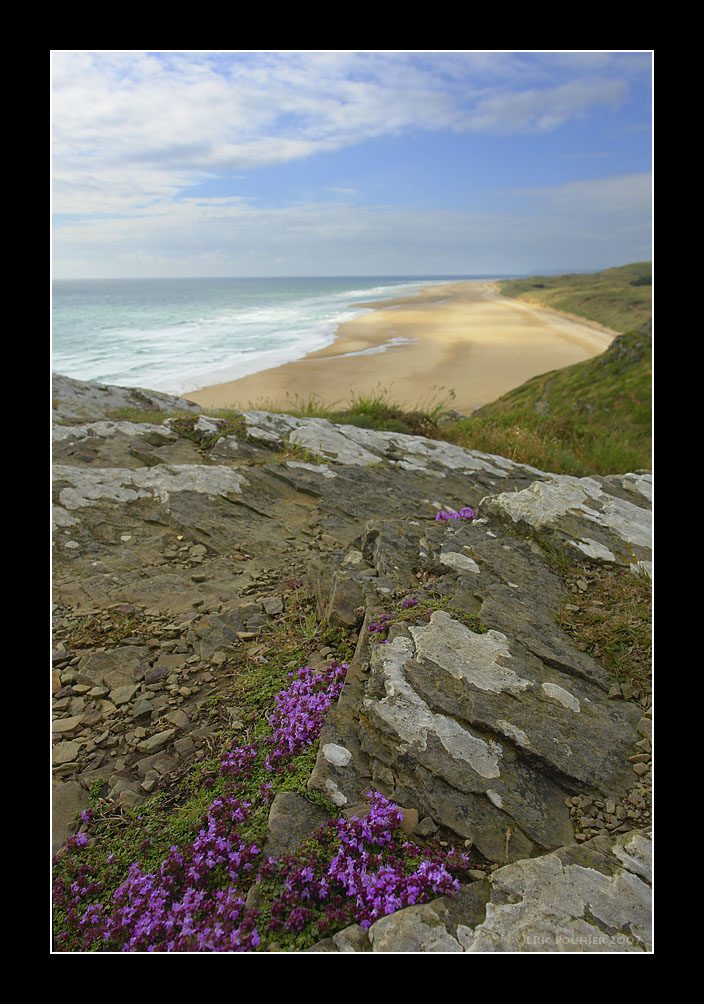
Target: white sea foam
<point>179,335</point>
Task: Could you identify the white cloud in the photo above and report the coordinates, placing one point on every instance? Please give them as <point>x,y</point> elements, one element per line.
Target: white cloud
<point>582,225</point>
<point>596,199</point>
<point>543,110</point>
<point>153,124</point>
<point>133,131</point>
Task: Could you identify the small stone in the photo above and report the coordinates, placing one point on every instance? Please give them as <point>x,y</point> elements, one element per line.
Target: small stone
<point>184,746</point>
<point>641,768</point>
<point>129,798</point>
<point>427,827</point>
<point>65,752</point>
<point>410,820</point>
<point>645,727</point>
<point>143,707</point>
<point>91,719</point>
<point>155,674</point>
<point>273,605</point>
<point>124,694</point>
<point>352,939</point>
<point>178,718</point>
<point>66,725</point>
<point>157,741</point>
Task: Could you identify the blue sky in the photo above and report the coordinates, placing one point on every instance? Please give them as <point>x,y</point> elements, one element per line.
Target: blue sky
<point>363,162</point>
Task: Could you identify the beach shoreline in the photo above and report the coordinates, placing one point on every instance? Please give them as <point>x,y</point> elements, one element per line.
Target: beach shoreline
<point>459,342</point>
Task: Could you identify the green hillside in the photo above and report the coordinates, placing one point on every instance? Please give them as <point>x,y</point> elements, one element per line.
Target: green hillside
<point>618,298</point>
<point>591,418</point>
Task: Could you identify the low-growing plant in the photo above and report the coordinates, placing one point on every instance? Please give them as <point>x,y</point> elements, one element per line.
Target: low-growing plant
<point>187,427</point>
<point>612,619</point>
<point>194,899</point>
<point>413,611</point>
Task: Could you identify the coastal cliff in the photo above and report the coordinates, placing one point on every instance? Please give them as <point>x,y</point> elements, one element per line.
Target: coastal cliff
<point>199,563</point>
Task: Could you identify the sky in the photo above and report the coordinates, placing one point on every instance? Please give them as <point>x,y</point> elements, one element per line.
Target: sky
<point>180,163</point>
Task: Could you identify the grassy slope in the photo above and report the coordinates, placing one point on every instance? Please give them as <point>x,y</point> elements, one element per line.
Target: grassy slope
<point>590,418</point>
<point>608,297</point>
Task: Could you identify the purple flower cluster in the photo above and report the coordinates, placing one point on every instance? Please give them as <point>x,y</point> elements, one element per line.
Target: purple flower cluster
<point>380,884</point>
<point>385,621</point>
<point>238,761</point>
<point>177,908</point>
<point>465,513</point>
<point>371,873</point>
<point>300,710</point>
<point>192,902</point>
<point>380,626</point>
<point>360,869</point>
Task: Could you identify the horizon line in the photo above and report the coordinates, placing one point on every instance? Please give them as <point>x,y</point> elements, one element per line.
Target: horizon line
<point>352,275</point>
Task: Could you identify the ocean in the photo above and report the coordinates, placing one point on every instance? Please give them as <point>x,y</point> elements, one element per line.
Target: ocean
<point>178,335</point>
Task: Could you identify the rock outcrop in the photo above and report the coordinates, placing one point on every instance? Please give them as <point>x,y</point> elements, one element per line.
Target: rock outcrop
<point>466,703</point>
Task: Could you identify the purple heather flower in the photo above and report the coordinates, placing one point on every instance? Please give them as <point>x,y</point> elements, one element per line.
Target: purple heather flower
<point>464,513</point>
<point>178,908</point>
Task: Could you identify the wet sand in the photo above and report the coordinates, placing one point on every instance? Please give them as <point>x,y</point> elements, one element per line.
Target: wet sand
<point>461,337</point>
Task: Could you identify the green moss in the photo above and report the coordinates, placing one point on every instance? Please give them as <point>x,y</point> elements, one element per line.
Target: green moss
<point>233,424</point>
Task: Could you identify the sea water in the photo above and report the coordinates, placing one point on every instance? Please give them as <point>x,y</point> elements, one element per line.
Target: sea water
<point>178,335</point>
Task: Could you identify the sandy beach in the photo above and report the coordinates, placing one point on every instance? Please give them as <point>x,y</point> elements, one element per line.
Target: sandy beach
<point>463,337</point>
